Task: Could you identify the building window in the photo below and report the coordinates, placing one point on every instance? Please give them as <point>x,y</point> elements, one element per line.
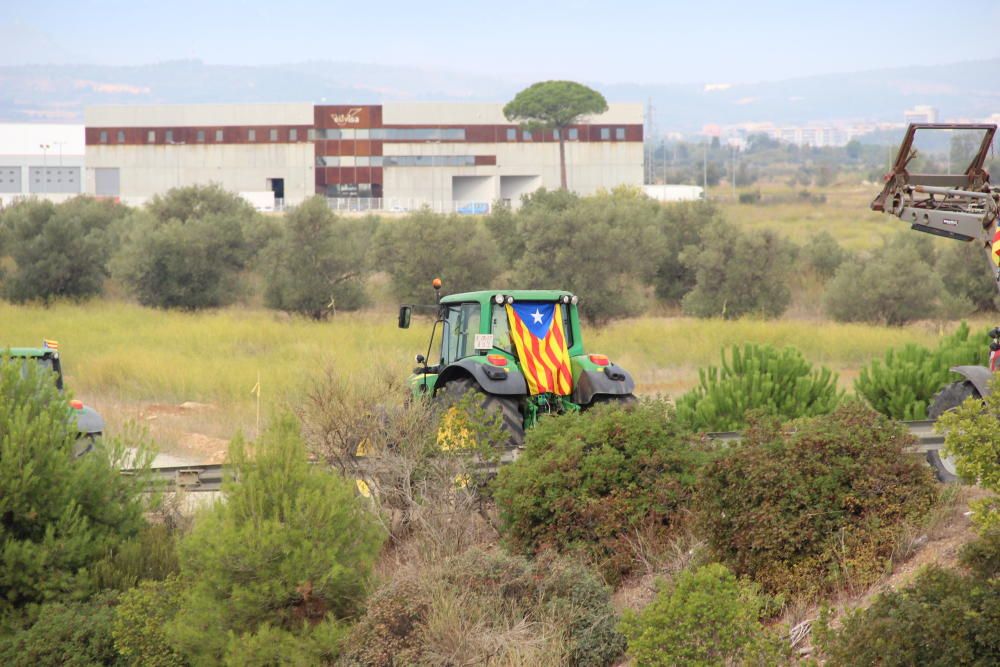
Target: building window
<point>573,134</point>
<point>218,135</point>
<point>121,137</point>
<point>293,134</point>
<point>311,134</point>
<point>151,137</point>
<point>201,136</point>
<point>511,134</point>
<point>273,135</point>
<point>104,137</point>
<point>555,134</point>
<point>170,136</point>
<point>251,135</point>
<point>620,133</point>
<point>526,135</point>
<point>605,133</point>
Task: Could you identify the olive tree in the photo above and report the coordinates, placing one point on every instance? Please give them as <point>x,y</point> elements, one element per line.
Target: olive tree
<point>555,105</point>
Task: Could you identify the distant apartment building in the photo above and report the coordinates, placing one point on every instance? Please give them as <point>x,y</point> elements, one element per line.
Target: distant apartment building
<point>43,160</point>
<point>921,113</point>
<point>397,155</point>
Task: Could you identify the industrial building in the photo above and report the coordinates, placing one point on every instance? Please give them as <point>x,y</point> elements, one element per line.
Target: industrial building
<point>393,156</point>
<point>44,160</point>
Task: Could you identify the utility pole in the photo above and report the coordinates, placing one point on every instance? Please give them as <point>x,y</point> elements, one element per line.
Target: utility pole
<point>704,169</point>
<point>60,145</point>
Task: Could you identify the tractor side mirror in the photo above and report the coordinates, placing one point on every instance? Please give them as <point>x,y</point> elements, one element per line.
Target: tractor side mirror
<point>405,312</point>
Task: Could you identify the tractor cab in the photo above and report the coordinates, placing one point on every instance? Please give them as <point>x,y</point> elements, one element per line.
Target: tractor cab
<point>520,348</point>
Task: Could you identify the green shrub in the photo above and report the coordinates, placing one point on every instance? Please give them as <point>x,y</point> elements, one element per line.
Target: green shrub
<point>59,251</point>
<point>894,286</point>
<point>292,546</point>
<point>187,248</point>
<point>823,255</point>
<point>317,264</point>
<point>60,515</point>
<point>943,618</point>
<point>485,607</point>
<point>318,644</point>
<point>139,621</point>
<point>703,617</point>
<point>152,554</point>
<point>966,276</point>
<point>587,482</point>
<point>683,225</point>
<point>816,505</point>
<point>757,378</point>
<point>738,273</point>
<point>70,634</point>
<point>972,436</point>
<point>903,383</point>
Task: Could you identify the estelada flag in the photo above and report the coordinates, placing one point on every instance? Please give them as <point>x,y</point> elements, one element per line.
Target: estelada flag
<point>537,331</point>
<point>995,247</point>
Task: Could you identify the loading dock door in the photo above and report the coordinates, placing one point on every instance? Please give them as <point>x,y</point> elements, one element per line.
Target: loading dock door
<point>106,182</point>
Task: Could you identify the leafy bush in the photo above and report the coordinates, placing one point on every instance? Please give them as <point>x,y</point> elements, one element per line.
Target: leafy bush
<point>972,436</point>
<point>139,621</point>
<point>152,554</point>
<point>817,505</point>
<point>703,617</point>
<point>738,274</point>
<point>966,276</point>
<point>604,248</point>
<point>60,515</point>
<point>758,378</point>
<point>587,482</point>
<point>291,547</point>
<point>317,261</point>
<point>894,286</point>
<point>71,634</point>
<point>485,607</point>
<point>58,251</point>
<point>903,383</point>
<point>943,618</point>
<point>187,248</point>
<point>823,255</point>
<point>682,224</point>
<point>425,245</point>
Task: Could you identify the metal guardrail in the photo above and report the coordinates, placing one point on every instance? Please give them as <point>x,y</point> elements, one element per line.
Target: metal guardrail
<point>208,477</point>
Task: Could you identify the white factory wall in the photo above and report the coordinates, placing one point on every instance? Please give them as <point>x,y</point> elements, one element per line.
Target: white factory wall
<point>148,170</point>
<point>180,115</point>
<point>436,113</point>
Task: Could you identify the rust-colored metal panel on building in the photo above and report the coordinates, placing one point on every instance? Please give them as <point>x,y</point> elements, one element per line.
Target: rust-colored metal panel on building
<point>486,160</point>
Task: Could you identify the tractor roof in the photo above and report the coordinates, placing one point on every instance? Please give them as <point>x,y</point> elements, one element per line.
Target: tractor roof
<point>519,295</point>
<point>27,352</point>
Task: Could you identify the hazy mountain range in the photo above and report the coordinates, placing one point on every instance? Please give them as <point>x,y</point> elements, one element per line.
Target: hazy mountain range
<point>58,93</point>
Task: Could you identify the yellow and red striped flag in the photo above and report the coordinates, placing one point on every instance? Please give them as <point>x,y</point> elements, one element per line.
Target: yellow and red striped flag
<point>995,247</point>
<point>537,331</point>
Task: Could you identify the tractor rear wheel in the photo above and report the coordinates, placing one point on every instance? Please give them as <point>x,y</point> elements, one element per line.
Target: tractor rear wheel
<point>507,407</point>
<point>949,398</point>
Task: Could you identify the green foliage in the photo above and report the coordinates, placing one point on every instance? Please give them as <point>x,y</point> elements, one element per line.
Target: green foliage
<point>425,245</point>
<point>605,249</point>
<point>816,505</point>
<point>269,646</point>
<point>187,248</point>
<point>823,255</point>
<point>760,378</point>
<point>152,554</point>
<point>903,383</point>
<point>291,547</point>
<point>703,617</point>
<point>682,224</point>
<point>554,104</point>
<point>966,276</point>
<point>972,436</point>
<point>487,593</point>
<point>587,482</point>
<point>60,515</point>
<point>139,621</point>
<point>738,274</point>
<point>317,261</point>
<point>896,285</point>
<point>68,634</point>
<point>59,251</point>
<point>943,618</point>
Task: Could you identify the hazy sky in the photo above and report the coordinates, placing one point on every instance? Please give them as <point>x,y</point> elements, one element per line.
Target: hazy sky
<point>610,41</point>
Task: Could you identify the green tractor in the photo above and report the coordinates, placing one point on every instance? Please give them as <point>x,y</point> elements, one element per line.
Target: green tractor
<point>89,424</point>
<point>522,351</point>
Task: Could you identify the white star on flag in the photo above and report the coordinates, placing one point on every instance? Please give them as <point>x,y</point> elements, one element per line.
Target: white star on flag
<point>536,316</point>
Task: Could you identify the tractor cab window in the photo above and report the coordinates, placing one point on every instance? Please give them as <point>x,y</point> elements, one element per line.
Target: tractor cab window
<point>461,324</point>
<point>501,328</point>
